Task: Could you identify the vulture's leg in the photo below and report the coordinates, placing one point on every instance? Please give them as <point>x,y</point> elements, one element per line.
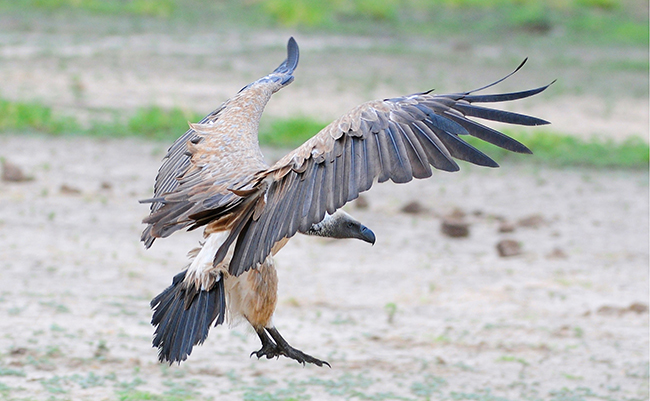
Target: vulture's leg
<point>269,349</point>
<point>283,348</point>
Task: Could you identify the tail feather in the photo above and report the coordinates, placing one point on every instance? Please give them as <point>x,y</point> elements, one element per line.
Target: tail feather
<point>179,327</point>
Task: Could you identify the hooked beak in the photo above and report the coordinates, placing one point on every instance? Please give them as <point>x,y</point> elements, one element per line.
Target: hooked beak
<point>366,235</point>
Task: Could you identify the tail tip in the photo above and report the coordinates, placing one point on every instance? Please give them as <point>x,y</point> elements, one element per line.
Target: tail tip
<point>179,327</point>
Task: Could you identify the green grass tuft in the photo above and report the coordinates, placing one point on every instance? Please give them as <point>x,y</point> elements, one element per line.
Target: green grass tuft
<point>166,125</point>
<point>153,8</point>
<point>136,395</point>
<point>289,132</point>
<point>18,116</point>
<point>150,122</point>
<point>566,150</point>
<point>596,21</point>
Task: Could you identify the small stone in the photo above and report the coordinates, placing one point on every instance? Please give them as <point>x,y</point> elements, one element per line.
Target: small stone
<point>13,173</point>
<point>532,221</point>
<point>18,351</point>
<point>69,190</point>
<point>361,203</point>
<point>106,185</point>
<point>413,207</point>
<point>457,213</point>
<point>638,307</point>
<point>454,228</point>
<point>557,253</point>
<point>608,310</point>
<point>506,227</point>
<point>461,46</point>
<point>508,247</point>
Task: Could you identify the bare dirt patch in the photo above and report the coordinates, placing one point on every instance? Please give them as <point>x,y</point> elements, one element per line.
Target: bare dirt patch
<point>418,316</point>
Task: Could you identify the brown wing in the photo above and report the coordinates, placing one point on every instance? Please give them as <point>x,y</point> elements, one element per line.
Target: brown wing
<point>175,164</point>
<point>196,185</point>
<point>210,170</point>
<point>393,139</point>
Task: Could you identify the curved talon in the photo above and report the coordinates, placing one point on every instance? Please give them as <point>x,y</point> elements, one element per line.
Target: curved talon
<point>288,351</point>
<point>269,348</point>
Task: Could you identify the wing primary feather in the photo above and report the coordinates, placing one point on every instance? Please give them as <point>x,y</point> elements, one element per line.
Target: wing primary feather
<point>238,264</point>
<point>448,125</point>
<point>384,158</point>
<point>340,182</point>
<point>359,157</point>
<point>500,80</point>
<point>498,115</point>
<point>367,169</point>
<point>351,170</point>
<point>289,202</point>
<point>280,201</point>
<point>463,150</point>
<point>317,209</point>
<point>419,162</point>
<point>330,179</point>
<point>261,235</point>
<point>309,184</point>
<point>490,135</point>
<point>374,158</point>
<point>152,200</point>
<point>504,97</point>
<point>290,64</point>
<point>255,232</point>
<point>437,157</point>
<point>401,171</point>
<point>295,213</point>
<point>244,220</point>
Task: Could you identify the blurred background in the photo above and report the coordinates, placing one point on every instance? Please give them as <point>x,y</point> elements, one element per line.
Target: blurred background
<point>92,92</point>
<point>133,68</point>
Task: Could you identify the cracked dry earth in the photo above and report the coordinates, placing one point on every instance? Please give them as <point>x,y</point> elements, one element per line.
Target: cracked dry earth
<point>418,316</point>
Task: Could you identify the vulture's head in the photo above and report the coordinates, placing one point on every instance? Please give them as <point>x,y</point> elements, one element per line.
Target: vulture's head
<point>341,225</point>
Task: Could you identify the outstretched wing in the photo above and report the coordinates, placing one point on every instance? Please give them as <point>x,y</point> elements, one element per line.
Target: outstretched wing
<point>214,157</point>
<point>392,139</point>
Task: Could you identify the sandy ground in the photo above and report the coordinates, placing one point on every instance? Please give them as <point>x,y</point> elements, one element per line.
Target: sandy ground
<point>600,91</point>
<point>417,316</point>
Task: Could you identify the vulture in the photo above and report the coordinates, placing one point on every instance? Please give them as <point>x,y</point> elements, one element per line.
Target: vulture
<point>214,176</point>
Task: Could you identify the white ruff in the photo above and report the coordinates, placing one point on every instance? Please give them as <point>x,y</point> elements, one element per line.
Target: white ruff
<point>202,263</point>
